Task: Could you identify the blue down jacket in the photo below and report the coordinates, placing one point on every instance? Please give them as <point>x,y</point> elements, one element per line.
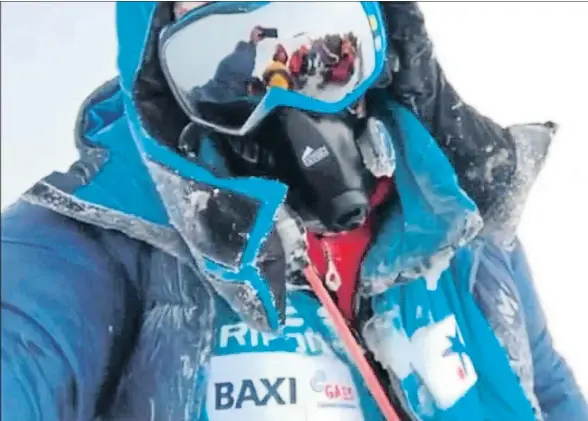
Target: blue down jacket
<point>119,302</point>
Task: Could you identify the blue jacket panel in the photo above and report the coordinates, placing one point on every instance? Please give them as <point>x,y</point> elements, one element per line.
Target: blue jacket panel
<point>67,302</point>
<point>448,360</point>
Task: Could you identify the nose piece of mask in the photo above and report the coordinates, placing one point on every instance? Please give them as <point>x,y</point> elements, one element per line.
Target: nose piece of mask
<point>330,165</point>
<point>350,210</point>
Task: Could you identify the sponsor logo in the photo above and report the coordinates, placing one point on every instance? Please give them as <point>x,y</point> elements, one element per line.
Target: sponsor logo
<point>297,336</point>
<point>255,393</point>
<point>281,386</point>
<point>312,157</point>
<point>434,356</point>
<point>439,355</point>
<point>333,393</point>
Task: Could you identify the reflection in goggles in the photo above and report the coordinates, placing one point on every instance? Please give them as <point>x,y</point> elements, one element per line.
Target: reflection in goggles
<point>309,67</point>
<point>286,46</point>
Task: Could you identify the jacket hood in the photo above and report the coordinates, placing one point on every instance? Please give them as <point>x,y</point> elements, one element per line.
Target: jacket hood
<point>132,178</point>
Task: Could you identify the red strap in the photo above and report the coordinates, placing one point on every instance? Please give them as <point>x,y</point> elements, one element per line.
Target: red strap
<point>354,350</point>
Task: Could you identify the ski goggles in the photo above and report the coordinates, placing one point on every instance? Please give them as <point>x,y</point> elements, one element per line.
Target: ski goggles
<point>230,64</point>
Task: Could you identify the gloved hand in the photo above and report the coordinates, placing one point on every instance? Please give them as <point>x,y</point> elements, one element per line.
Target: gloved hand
<point>496,166</point>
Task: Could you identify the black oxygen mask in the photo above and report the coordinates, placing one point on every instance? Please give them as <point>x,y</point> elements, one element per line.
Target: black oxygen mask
<point>330,163</point>
<point>327,168</point>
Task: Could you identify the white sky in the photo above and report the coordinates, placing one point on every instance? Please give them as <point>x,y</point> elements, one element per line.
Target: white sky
<point>516,62</point>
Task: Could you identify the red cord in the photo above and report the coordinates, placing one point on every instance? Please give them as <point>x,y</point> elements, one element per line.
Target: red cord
<point>353,348</point>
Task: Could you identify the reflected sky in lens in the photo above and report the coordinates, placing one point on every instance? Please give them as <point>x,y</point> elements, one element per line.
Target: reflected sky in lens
<point>214,37</point>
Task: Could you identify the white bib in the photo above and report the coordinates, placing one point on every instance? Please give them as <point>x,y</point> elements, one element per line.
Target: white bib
<point>281,386</point>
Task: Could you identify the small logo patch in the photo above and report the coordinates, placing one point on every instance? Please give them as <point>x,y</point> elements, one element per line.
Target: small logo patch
<point>441,360</point>
<point>333,393</point>
<point>311,157</point>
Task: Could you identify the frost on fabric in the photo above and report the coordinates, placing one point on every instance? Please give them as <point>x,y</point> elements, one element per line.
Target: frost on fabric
<point>91,161</point>
<point>418,370</point>
<point>293,240</point>
<point>432,268</point>
<point>426,402</point>
<point>401,260</point>
<point>434,216</point>
<point>376,149</point>
<point>280,261</point>
<point>498,298</point>
<point>199,200</point>
<point>174,345</point>
<point>532,143</point>
<point>214,223</point>
<point>48,196</point>
<point>389,343</point>
<point>335,341</point>
<point>217,224</point>
<point>243,299</point>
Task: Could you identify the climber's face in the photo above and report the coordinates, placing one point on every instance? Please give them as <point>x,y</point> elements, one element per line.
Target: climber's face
<point>183,7</point>
<point>319,149</point>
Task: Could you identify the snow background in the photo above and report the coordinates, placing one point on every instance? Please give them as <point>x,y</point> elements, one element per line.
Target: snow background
<point>516,62</point>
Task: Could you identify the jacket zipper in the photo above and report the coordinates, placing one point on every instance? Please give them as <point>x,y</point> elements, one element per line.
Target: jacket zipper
<point>332,280</point>
<point>332,277</point>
